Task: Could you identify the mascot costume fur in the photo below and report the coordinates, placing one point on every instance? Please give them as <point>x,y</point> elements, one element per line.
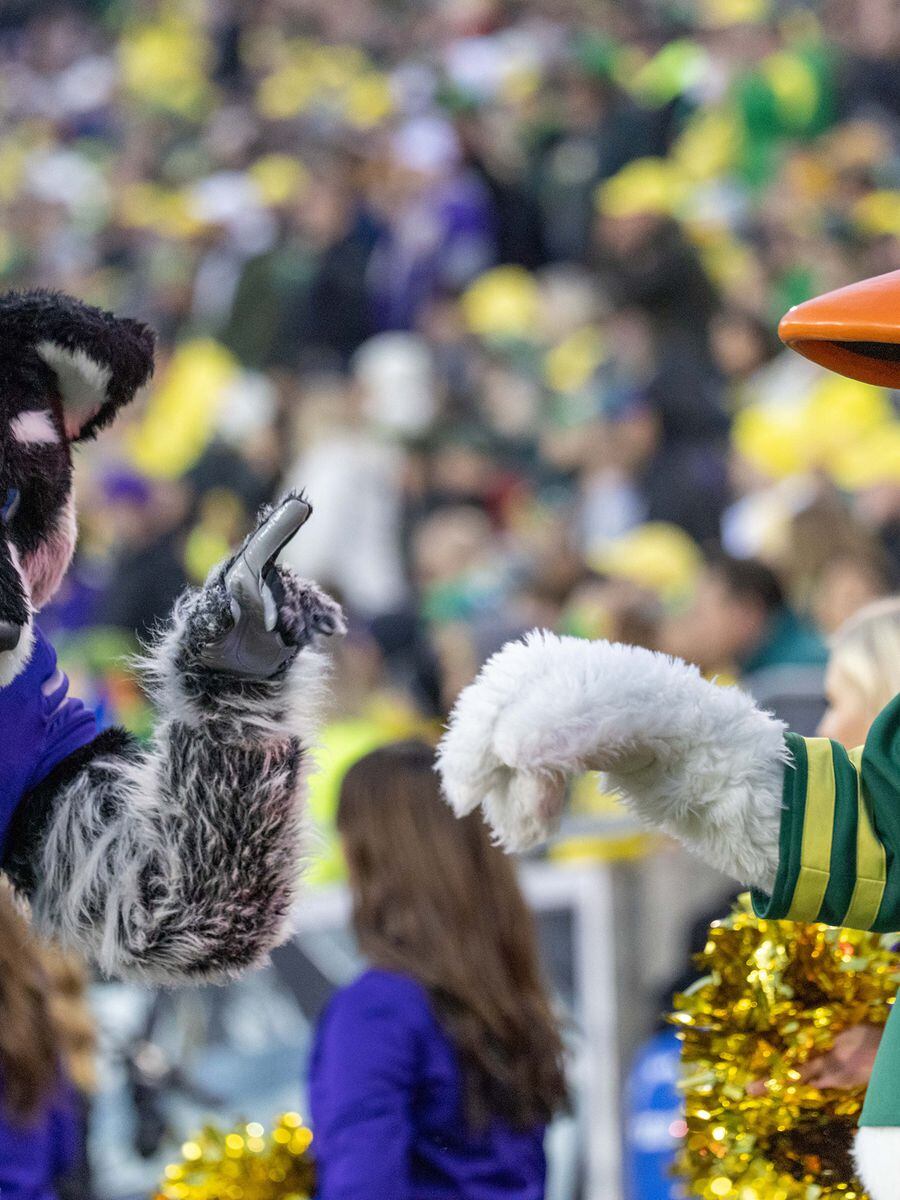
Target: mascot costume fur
<point>814,829</point>
<point>178,861</point>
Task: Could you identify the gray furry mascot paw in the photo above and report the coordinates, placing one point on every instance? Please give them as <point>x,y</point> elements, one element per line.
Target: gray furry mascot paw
<point>178,860</point>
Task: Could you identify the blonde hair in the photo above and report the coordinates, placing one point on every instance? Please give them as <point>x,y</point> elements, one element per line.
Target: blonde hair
<point>866,651</point>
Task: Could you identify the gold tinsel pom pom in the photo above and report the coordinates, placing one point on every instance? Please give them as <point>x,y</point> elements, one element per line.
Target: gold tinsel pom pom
<point>775,995</point>
<point>244,1164</point>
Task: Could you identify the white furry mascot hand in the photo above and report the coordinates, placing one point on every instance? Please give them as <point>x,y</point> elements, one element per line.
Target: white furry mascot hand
<point>694,759</point>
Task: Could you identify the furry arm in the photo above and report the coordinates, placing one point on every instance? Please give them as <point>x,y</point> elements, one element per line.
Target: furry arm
<point>696,760</point>
<point>181,861</point>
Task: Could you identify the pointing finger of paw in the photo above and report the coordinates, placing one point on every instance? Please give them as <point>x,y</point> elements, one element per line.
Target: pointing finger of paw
<point>275,532</point>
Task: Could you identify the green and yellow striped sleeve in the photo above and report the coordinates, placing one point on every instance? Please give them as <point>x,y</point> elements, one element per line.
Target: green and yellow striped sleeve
<point>839,859</point>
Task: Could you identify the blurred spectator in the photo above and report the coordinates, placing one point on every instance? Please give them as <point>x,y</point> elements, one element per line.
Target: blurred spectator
<point>439,1068</point>
<point>647,263</point>
<point>439,227</point>
<point>147,571</point>
<point>739,622</point>
<point>849,582</point>
<point>355,477</point>
<point>863,672</point>
<point>305,296</point>
<point>595,130</point>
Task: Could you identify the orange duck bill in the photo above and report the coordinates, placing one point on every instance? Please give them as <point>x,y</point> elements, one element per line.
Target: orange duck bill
<point>854,330</point>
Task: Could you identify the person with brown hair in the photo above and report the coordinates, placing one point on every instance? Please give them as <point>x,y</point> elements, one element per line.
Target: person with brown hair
<point>38,1126</point>
<point>434,1074</point>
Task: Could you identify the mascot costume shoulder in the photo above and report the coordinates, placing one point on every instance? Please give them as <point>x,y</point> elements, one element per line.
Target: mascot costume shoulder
<point>814,829</point>
<point>178,860</point>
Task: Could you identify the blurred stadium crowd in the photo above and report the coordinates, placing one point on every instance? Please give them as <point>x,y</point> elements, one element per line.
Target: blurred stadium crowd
<point>497,281</point>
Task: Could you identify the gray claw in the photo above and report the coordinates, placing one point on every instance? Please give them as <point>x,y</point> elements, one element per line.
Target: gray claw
<point>272,536</point>
<point>253,647</point>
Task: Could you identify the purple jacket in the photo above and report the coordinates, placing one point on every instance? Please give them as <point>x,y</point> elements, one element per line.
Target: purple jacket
<point>34,1156</point>
<point>40,725</point>
<point>386,1100</point>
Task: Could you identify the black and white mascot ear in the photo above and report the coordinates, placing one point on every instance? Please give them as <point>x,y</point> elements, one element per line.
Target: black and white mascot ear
<point>98,361</point>
<point>65,369</point>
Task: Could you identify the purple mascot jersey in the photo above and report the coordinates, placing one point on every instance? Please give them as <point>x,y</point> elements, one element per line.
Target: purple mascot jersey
<point>41,725</point>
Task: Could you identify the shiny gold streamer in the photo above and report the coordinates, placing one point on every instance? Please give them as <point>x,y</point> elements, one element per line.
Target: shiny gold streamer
<point>775,994</point>
<point>244,1163</point>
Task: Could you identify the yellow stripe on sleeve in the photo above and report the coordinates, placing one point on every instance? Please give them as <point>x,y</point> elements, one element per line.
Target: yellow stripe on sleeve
<point>818,825</point>
<point>871,861</point>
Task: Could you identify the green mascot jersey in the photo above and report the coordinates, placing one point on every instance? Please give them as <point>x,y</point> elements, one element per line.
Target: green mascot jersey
<point>839,860</point>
